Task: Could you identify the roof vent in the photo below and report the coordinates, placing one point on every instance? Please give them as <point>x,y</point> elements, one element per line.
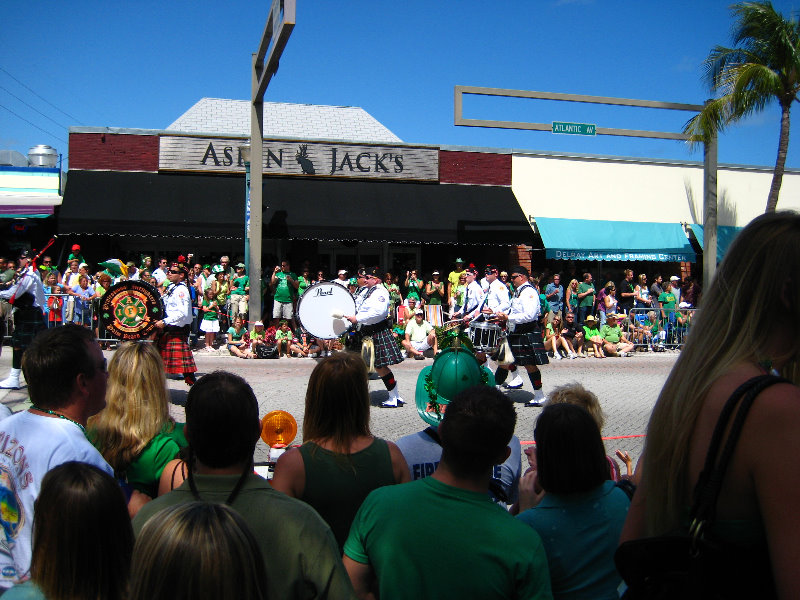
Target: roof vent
<point>43,156</point>
<point>12,158</point>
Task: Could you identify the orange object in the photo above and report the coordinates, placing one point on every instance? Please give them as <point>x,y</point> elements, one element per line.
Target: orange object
<point>278,428</point>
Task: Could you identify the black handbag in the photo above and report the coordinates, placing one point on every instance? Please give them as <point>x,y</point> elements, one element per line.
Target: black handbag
<point>691,563</point>
<point>265,351</point>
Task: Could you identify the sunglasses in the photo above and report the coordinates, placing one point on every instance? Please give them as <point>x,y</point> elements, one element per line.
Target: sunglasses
<point>174,272</point>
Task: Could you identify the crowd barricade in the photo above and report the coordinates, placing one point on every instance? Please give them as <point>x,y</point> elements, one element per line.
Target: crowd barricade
<point>68,310</point>
<point>659,328</point>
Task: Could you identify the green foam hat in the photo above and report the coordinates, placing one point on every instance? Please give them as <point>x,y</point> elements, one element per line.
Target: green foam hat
<point>453,370</point>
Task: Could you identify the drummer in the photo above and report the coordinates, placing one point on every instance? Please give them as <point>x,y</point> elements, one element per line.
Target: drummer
<point>473,297</point>
<point>524,336</point>
<point>372,317</point>
<point>496,294</point>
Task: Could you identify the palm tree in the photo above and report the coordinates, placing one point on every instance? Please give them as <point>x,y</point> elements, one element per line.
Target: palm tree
<point>763,66</point>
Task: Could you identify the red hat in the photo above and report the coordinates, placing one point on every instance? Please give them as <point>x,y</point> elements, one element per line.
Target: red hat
<point>75,248</point>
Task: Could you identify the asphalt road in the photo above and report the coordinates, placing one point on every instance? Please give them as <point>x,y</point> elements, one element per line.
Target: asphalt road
<point>627,389</point>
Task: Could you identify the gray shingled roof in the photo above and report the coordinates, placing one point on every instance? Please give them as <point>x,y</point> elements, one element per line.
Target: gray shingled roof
<point>232,117</point>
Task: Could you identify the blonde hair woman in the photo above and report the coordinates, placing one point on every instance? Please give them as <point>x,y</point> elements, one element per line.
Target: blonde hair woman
<point>134,432</point>
<point>744,329</point>
<point>197,551</point>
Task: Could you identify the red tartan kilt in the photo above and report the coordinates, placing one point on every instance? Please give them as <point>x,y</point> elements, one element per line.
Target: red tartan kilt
<point>175,353</point>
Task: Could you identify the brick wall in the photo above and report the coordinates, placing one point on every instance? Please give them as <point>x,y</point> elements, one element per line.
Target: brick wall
<point>520,255</point>
<point>113,152</point>
<point>476,168</point>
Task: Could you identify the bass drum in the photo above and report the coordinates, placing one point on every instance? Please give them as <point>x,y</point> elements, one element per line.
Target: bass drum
<point>130,309</point>
<point>321,307</point>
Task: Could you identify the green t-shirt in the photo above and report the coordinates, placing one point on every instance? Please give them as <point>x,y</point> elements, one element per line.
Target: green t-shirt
<point>239,284</point>
<point>210,315</point>
<point>587,300</point>
<point>303,283</point>
<point>143,473</point>
<point>611,334</point>
<point>284,291</point>
<point>590,333</point>
<point>667,299</point>
<point>489,554</point>
<point>236,337</point>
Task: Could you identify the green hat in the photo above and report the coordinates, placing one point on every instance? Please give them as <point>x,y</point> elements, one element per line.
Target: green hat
<point>218,269</point>
<point>453,370</point>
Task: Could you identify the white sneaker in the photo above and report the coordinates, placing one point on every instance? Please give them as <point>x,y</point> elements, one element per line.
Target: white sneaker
<point>390,403</point>
<point>515,383</point>
<point>623,354</point>
<point>572,356</point>
<point>537,400</point>
<point>556,356</point>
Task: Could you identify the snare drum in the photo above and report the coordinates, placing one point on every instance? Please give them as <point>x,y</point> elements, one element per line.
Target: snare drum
<point>485,336</point>
<point>318,305</point>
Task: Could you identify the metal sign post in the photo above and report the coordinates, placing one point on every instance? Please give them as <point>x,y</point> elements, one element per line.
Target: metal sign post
<point>710,149</point>
<point>265,61</point>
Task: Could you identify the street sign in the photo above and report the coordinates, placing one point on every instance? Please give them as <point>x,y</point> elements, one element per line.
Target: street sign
<point>574,128</point>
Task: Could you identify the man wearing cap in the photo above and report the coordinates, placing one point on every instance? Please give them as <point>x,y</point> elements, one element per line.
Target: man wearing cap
<point>453,371</point>
<point>524,336</point>
<point>174,327</point>
<point>495,293</point>
<point>473,297</point>
<point>439,537</point>
<point>419,336</point>
<point>372,316</point>
<point>240,292</point>
<point>341,278</point>
<point>454,276</point>
<point>614,341</point>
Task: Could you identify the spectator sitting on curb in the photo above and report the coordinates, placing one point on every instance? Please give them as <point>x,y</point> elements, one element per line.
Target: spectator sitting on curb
<point>591,335</point>
<point>419,336</point>
<point>572,337</point>
<point>615,343</point>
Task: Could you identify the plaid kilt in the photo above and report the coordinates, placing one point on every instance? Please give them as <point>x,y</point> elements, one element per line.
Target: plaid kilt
<point>175,352</point>
<point>387,352</point>
<point>528,348</point>
<point>28,321</point>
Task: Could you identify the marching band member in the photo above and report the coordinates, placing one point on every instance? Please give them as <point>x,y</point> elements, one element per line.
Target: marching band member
<point>473,297</point>
<point>497,297</point>
<point>524,336</point>
<point>372,317</point>
<point>27,298</point>
<point>174,327</point>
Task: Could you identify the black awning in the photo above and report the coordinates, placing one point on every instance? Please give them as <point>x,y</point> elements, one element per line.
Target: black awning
<point>152,204</point>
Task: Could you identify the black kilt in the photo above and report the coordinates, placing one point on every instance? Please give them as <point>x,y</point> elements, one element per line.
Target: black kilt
<point>28,321</point>
<point>528,346</point>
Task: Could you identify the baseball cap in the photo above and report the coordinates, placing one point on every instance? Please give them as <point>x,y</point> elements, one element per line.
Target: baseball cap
<point>258,324</point>
<point>240,265</point>
<point>674,278</point>
<point>342,272</point>
<point>75,248</point>
<point>419,311</point>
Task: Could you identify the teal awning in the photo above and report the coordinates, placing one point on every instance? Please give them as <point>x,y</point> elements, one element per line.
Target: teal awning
<point>725,235</point>
<point>579,239</point>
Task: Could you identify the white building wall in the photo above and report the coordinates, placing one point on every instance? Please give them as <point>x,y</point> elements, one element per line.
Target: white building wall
<point>609,189</point>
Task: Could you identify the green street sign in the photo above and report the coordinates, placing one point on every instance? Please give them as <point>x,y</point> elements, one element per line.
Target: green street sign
<point>574,128</point>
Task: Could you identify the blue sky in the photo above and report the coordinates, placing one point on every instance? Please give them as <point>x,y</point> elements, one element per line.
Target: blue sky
<point>142,64</point>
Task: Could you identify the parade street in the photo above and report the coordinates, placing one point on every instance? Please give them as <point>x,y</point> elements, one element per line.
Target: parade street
<point>627,389</point>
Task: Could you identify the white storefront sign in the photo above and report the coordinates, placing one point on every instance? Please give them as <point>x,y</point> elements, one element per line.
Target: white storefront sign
<point>306,159</point>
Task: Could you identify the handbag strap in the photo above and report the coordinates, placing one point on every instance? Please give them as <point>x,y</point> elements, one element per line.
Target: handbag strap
<point>709,483</point>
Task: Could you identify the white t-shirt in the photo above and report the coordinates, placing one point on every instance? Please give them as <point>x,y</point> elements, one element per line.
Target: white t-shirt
<point>31,445</point>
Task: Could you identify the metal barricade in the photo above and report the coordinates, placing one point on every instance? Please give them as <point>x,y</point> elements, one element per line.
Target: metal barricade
<point>659,329</point>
